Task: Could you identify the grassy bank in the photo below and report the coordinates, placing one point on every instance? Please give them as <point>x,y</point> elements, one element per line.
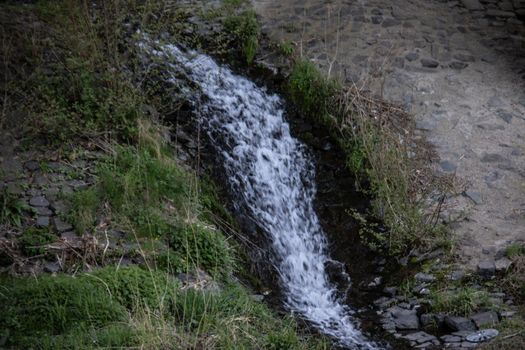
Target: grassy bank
<point>392,166</point>
<point>168,280</point>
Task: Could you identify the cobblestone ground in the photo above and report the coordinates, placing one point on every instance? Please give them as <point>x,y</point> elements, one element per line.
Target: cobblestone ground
<point>459,67</point>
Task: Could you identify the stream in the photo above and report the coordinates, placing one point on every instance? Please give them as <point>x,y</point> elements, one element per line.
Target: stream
<point>272,175</point>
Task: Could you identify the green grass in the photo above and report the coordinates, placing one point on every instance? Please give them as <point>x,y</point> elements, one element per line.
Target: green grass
<point>515,250</point>
<point>461,302</point>
<point>134,307</point>
<point>141,189</point>
<point>311,92</point>
<point>33,241</point>
<point>245,29</point>
<point>11,209</point>
<point>375,154</point>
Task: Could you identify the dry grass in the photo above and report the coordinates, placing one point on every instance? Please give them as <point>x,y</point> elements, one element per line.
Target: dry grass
<point>409,194</point>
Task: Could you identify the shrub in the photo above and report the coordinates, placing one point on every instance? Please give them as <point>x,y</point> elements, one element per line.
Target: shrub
<point>201,247</point>
<point>311,91</point>
<point>11,209</point>
<point>245,29</point>
<point>134,287</point>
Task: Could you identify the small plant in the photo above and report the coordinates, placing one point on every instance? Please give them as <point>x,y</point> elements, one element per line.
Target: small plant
<point>515,250</point>
<point>285,49</point>
<point>460,302</point>
<point>246,29</point>
<point>311,91</point>
<point>11,209</point>
<point>33,241</point>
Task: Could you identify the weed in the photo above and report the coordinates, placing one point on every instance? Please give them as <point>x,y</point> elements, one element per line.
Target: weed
<point>33,241</point>
<point>245,28</point>
<point>515,250</point>
<point>48,306</point>
<point>460,302</point>
<point>311,91</point>
<point>286,49</point>
<point>11,209</point>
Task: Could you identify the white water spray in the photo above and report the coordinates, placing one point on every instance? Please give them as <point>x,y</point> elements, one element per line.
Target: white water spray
<point>274,179</point>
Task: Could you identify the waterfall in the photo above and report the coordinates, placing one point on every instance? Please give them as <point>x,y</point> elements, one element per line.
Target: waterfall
<point>272,176</point>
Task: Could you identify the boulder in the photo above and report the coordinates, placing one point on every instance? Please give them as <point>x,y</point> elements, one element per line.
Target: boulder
<point>456,323</point>
<point>487,318</point>
<point>487,269</point>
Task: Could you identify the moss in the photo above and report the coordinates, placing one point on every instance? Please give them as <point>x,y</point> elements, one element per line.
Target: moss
<point>33,241</point>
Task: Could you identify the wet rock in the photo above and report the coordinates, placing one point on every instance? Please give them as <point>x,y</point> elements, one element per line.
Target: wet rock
<point>486,269</point>
<point>429,63</point>
<point>38,201</point>
<point>482,335</point>
<point>424,277</point>
<point>375,282</point>
<point>495,102</point>
<point>42,221</point>
<point>456,323</point>
<point>482,319</point>
<point>391,291</point>
<point>405,319</point>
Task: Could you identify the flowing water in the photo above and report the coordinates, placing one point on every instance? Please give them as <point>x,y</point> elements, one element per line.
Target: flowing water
<point>272,176</point>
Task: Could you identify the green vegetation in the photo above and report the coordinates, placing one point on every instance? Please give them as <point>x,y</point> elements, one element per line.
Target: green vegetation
<point>133,307</point>
<point>286,49</point>
<point>74,75</point>
<point>373,136</point>
<point>33,241</point>
<point>245,29</point>
<point>311,91</point>
<point>460,302</point>
<point>512,335</point>
<point>515,250</point>
<point>11,209</point>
